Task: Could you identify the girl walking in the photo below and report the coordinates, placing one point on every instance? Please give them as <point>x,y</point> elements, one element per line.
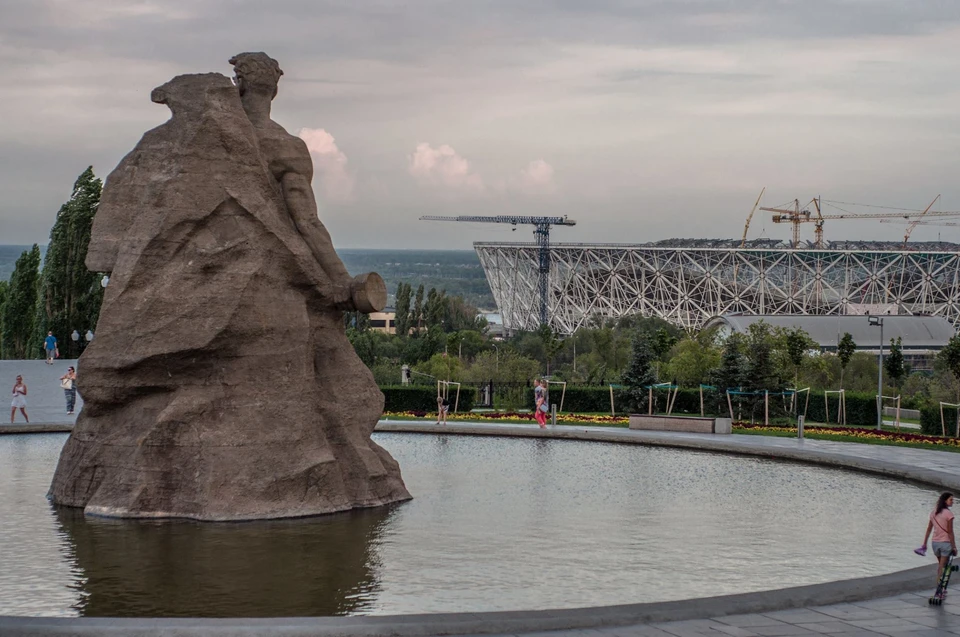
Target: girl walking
<point>540,407</point>
<point>941,524</point>
<point>19,400</point>
<point>69,383</point>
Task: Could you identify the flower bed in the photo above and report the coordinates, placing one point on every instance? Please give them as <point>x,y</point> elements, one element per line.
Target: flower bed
<point>511,416</point>
<point>866,435</point>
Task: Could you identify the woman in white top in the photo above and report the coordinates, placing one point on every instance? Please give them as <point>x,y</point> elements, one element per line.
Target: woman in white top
<point>19,399</point>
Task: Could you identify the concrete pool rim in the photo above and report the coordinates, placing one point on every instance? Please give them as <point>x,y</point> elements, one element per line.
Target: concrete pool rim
<point>497,622</point>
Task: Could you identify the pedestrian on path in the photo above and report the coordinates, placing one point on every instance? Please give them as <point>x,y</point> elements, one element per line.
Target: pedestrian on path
<point>941,524</point>
<point>443,406</point>
<point>19,400</point>
<point>69,383</point>
<point>540,403</point>
<point>50,344</point>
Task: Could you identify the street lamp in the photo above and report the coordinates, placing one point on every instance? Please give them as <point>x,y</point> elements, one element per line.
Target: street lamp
<point>498,356</point>
<point>875,321</point>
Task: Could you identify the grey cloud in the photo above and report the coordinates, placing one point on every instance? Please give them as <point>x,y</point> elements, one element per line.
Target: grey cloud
<point>635,145</point>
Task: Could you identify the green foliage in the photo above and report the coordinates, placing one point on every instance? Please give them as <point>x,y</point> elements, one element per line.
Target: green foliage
<point>893,362</point>
<point>731,373</point>
<point>639,374</point>
<point>845,351</point>
<point>402,307</point>
<point>417,317</point>
<point>423,398</point>
<point>949,358</point>
<point>70,294</point>
<point>442,367</point>
<point>20,307</point>
<point>692,360</point>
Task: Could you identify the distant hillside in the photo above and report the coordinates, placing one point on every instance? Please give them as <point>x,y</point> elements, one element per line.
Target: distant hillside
<point>457,271</point>
<point>9,256</point>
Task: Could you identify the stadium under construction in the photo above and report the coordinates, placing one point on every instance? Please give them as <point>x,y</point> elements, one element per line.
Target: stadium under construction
<point>688,281</point>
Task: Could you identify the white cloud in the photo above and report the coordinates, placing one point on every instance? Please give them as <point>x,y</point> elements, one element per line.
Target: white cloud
<point>443,166</point>
<point>537,178</point>
<point>330,166</point>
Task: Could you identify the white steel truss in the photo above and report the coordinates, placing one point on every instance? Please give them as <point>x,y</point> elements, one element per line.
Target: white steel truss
<point>688,286</point>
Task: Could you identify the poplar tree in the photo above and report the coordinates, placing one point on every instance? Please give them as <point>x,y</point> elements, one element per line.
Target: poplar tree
<point>402,320</point>
<point>20,307</point>
<point>70,295</point>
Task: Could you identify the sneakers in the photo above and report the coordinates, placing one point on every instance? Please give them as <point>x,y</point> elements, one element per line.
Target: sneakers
<point>921,551</point>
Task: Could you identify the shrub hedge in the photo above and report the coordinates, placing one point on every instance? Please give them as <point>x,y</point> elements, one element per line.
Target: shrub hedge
<point>419,398</point>
<point>930,420</point>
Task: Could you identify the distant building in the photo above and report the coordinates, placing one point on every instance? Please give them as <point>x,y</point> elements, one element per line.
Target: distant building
<point>922,336</point>
<point>385,321</point>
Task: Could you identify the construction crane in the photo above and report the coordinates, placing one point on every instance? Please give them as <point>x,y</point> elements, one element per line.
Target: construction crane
<point>797,215</point>
<point>541,232</point>
<point>746,226</point>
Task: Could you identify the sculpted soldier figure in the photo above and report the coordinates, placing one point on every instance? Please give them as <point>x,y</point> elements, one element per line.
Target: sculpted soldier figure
<point>221,384</point>
<point>288,160</point>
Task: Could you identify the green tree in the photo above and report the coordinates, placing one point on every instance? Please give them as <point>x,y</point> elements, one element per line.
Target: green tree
<point>732,370</point>
<point>693,360</point>
<point>402,307</point>
<point>70,294</point>
<point>845,350</point>
<point>20,307</point>
<point>417,318</point>
<point>639,373</point>
<point>893,362</point>
<point>662,342</point>
<point>949,357</point>
<point>552,344</point>
<point>797,343</point>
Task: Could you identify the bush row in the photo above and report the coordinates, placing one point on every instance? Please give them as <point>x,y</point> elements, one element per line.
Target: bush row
<point>419,398</point>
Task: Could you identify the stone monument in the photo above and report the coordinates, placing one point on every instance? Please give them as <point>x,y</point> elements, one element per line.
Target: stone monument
<point>221,384</point>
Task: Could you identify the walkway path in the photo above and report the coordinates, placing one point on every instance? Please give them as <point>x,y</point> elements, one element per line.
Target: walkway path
<point>45,400</point>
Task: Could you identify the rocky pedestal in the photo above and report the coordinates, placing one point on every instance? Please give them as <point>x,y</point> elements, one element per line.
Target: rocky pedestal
<point>221,384</point>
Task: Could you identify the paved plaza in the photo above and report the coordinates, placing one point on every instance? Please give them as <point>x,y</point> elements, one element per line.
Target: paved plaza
<point>45,400</point>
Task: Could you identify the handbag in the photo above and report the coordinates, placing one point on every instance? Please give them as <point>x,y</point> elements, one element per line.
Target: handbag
<point>66,383</point>
<point>543,407</point>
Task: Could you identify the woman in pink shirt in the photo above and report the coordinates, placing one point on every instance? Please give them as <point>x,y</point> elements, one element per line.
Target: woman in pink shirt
<point>941,524</point>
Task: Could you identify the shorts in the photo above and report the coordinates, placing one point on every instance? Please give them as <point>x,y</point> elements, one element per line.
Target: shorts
<point>51,353</point>
<point>942,549</point>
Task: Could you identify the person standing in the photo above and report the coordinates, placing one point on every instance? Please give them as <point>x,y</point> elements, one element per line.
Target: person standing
<point>50,344</point>
<point>941,524</point>
<point>69,383</point>
<point>443,406</point>
<point>19,400</point>
<point>540,403</point>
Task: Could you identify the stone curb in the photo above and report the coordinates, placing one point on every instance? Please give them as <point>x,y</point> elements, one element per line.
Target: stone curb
<point>485,623</point>
<point>37,428</point>
<point>739,445</point>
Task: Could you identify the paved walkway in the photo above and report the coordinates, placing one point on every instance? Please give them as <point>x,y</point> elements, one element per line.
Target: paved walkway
<point>45,399</point>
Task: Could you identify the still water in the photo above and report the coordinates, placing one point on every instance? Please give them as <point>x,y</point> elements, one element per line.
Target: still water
<point>495,524</point>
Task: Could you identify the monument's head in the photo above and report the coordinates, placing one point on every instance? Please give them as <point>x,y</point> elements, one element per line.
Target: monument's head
<point>256,73</point>
<point>193,92</point>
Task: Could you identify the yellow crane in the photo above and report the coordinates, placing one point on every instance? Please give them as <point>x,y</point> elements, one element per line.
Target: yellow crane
<point>797,215</point>
<point>746,226</point>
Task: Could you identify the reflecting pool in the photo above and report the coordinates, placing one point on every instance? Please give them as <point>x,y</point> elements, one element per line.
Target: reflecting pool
<point>495,524</point>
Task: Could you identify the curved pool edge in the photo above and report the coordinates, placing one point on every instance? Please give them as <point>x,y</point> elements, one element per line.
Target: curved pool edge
<point>514,622</point>
<point>940,469</point>
<point>886,461</point>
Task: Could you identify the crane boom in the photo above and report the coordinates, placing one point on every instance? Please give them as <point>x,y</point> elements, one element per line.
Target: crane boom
<point>746,226</point>
<point>541,232</point>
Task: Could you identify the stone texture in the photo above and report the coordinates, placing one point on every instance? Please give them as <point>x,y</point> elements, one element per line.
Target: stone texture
<point>221,384</point>
<point>681,424</point>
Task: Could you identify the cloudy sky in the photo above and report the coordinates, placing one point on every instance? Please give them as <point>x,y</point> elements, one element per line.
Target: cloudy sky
<point>642,119</point>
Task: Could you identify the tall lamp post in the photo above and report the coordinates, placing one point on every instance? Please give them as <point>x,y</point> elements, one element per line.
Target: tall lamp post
<point>875,321</point>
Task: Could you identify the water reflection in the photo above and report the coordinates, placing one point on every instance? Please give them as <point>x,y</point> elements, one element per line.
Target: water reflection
<point>318,566</point>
